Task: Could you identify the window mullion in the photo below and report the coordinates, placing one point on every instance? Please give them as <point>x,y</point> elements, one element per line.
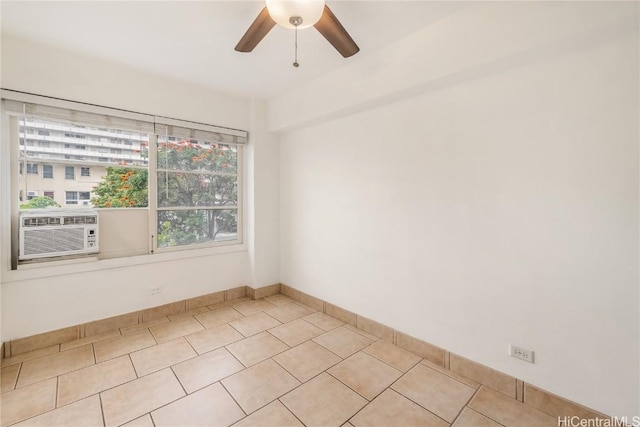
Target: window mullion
<point>152,195</point>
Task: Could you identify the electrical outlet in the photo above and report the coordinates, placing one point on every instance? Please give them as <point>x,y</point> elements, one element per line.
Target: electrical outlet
<point>521,353</point>
<point>155,290</point>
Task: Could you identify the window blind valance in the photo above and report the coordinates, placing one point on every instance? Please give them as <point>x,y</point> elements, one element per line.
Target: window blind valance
<point>18,103</point>
<point>199,131</point>
<point>76,113</point>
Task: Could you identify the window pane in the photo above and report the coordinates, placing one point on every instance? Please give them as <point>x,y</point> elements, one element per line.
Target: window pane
<point>197,156</point>
<point>183,189</point>
<point>71,197</point>
<point>67,152</point>
<point>88,142</point>
<point>178,228</point>
<point>47,171</point>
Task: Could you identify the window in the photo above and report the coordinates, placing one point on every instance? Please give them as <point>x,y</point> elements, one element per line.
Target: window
<point>69,172</point>
<point>74,135</point>
<point>44,144</point>
<point>43,132</point>
<point>77,197</point>
<point>197,192</point>
<point>196,173</point>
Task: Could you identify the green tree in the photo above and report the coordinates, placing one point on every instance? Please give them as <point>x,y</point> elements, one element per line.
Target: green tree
<point>198,176</point>
<point>40,202</point>
<point>122,187</point>
<point>190,175</point>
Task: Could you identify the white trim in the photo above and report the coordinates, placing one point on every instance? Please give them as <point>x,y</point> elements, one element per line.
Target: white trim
<point>199,126</point>
<point>83,265</point>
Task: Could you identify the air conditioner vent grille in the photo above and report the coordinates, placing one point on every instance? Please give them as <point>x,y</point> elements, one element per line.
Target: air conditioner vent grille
<point>53,240</point>
<point>68,220</point>
<point>41,221</point>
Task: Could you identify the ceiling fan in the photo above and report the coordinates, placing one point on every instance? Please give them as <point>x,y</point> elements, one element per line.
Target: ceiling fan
<point>298,14</point>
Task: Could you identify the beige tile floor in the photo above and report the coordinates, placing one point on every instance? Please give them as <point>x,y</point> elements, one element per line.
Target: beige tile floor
<point>270,362</point>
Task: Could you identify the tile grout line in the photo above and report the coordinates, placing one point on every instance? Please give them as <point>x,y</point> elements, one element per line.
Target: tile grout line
<point>387,363</point>
<point>483,414</point>
<point>178,379</point>
<point>410,399</point>
<point>55,405</point>
<point>133,365</point>
<point>289,410</point>
<point>15,384</point>
<point>155,409</point>
<point>192,347</point>
<point>353,390</point>
<point>447,375</point>
<point>200,323</point>
<point>104,421</point>
<point>234,399</point>
<point>465,405</point>
<point>53,376</point>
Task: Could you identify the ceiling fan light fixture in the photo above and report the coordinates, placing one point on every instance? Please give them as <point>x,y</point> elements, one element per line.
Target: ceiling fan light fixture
<point>282,11</point>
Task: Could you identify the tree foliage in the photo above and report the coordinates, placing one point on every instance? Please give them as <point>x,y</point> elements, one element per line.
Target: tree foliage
<point>190,175</point>
<point>122,187</point>
<point>199,176</point>
<point>40,202</point>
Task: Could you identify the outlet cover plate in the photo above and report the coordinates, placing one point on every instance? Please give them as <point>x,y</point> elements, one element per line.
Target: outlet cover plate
<point>521,353</point>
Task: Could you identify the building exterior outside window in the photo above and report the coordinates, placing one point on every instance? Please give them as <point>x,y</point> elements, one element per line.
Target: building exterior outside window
<point>73,159</point>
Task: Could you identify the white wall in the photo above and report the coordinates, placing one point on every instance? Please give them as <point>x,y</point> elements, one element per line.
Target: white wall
<point>485,205</point>
<point>45,70</point>
<point>43,299</point>
<point>263,199</point>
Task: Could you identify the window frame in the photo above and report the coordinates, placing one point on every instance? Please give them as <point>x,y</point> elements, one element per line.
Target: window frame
<point>153,200</point>
<point>44,171</point>
<point>32,169</point>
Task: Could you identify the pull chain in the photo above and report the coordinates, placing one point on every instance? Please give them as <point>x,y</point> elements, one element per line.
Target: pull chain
<point>295,64</point>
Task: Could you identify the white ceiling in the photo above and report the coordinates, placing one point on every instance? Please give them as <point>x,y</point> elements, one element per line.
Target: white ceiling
<point>193,40</point>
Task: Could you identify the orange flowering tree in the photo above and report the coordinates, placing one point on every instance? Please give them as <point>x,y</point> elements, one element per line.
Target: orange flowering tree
<point>203,178</point>
<point>197,190</point>
<point>122,187</point>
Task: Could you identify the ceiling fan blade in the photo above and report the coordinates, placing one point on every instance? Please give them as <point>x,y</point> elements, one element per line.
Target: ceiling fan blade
<point>256,32</point>
<point>334,32</point>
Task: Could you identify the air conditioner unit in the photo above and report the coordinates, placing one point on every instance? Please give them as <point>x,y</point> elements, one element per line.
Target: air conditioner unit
<point>52,233</point>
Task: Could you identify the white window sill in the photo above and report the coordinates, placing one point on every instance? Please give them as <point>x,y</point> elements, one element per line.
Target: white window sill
<point>83,265</point>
